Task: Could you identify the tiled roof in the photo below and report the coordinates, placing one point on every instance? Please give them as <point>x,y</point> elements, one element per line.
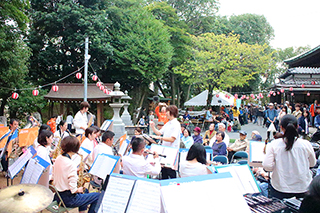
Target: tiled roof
<point>300,81</point>
<point>75,91</point>
<point>301,70</point>
<point>303,55</point>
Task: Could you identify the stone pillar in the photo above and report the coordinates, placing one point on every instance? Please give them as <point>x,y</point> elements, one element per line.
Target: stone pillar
<point>118,125</point>
<point>126,117</point>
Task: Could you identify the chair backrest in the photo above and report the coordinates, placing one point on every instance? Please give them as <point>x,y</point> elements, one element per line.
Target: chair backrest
<point>221,158</point>
<point>242,162</point>
<point>241,154</point>
<point>207,147</point>
<point>55,191</point>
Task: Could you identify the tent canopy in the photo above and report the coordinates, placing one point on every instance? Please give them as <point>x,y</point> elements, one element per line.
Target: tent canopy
<point>201,99</point>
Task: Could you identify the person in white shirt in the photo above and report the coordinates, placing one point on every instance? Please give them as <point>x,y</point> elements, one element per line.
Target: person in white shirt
<point>289,159</point>
<point>65,179</point>
<point>104,147</point>
<point>226,139</point>
<point>170,137</point>
<point>89,143</point>
<point>80,120</point>
<point>61,133</point>
<point>45,140</point>
<point>135,164</point>
<point>69,121</point>
<point>196,163</point>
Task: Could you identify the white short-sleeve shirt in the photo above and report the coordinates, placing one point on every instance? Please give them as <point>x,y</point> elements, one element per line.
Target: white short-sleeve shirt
<point>171,129</point>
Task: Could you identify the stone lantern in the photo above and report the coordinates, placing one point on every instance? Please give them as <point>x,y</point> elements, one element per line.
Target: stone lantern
<point>126,117</point>
<point>118,125</point>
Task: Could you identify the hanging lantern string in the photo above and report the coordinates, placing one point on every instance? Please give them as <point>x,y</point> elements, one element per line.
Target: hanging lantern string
<point>45,85</point>
<point>93,72</point>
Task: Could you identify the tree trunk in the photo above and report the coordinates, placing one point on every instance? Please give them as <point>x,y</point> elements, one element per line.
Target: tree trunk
<point>3,104</point>
<point>188,93</point>
<point>173,89</point>
<point>178,97</point>
<point>209,96</point>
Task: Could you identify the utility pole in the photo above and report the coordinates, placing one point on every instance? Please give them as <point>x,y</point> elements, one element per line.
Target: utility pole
<point>86,59</point>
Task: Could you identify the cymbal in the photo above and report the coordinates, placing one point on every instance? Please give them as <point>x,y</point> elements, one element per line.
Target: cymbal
<point>25,198</point>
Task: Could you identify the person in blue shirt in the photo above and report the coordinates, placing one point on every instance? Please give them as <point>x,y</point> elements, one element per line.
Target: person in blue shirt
<point>197,137</point>
<point>271,116</point>
<point>209,115</point>
<point>186,116</point>
<point>187,139</point>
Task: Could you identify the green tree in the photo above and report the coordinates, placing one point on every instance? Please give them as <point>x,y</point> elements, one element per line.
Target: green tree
<point>223,62</point>
<point>13,50</point>
<point>252,28</point>
<point>180,42</point>
<point>57,35</point>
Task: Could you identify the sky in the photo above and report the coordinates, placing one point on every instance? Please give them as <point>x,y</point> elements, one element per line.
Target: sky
<point>295,22</point>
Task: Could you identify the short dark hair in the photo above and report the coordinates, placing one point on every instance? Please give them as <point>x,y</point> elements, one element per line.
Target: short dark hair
<point>62,122</point>
<point>70,144</point>
<point>42,139</point>
<point>173,110</point>
<point>89,131</point>
<point>107,135</point>
<point>221,133</point>
<point>137,144</point>
<point>314,187</point>
<point>54,116</point>
<point>43,127</point>
<point>197,151</point>
<point>13,120</point>
<point>84,104</point>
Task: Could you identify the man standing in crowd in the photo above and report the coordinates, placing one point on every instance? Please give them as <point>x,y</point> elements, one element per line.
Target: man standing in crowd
<point>313,111</point>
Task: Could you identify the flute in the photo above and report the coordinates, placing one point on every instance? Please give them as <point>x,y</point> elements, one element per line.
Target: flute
<point>150,153</point>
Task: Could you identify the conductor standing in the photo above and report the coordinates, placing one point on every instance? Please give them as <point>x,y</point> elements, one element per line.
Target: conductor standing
<point>169,134</point>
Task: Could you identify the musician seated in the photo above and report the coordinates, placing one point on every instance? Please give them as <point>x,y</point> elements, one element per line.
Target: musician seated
<point>135,164</point>
<point>195,163</point>
<point>65,178</point>
<point>239,145</point>
<point>45,140</point>
<point>105,147</point>
<point>61,133</point>
<point>89,143</point>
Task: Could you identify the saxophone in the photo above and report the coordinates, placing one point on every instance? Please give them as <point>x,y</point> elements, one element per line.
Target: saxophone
<point>81,181</point>
<point>57,150</point>
<point>82,176</point>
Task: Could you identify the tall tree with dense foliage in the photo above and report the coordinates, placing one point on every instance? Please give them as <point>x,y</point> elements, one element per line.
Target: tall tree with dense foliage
<point>57,35</point>
<point>223,62</point>
<point>14,52</point>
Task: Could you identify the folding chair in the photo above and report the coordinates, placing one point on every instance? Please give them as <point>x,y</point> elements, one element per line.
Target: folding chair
<point>240,154</point>
<point>243,162</point>
<point>221,158</point>
<point>55,206</point>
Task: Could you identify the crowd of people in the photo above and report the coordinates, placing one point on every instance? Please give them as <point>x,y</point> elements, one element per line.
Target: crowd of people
<point>285,169</point>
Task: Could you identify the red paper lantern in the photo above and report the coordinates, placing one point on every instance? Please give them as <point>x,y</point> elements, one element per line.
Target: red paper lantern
<point>228,97</point>
<point>269,95</point>
<point>247,98</point>
<point>101,87</point>
<point>278,93</point>
<point>78,75</point>
<point>252,95</point>
<point>271,92</point>
<point>217,95</point>
<point>236,96</point>
<point>35,92</point>
<point>258,97</point>
<point>313,82</point>
<point>274,94</point>
<point>282,90</point>
<point>98,84</point>
<point>260,94</point>
<point>302,86</point>
<point>15,95</point>
<point>308,94</point>
<point>55,88</point>
<point>292,94</point>
<point>291,89</point>
<point>94,78</point>
<point>244,96</point>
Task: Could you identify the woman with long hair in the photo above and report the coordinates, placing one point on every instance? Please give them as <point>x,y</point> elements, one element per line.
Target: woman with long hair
<point>195,163</point>
<point>289,159</point>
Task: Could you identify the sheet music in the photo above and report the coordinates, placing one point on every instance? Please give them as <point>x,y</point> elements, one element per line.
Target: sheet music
<point>170,152</point>
<point>106,124</point>
<point>145,198</point>
<point>15,168</point>
<point>243,177</point>
<point>256,151</point>
<point>219,189</point>
<point>104,165</point>
<point>183,156</point>
<point>32,172</point>
<point>116,196</point>
<point>82,151</point>
<point>123,147</point>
